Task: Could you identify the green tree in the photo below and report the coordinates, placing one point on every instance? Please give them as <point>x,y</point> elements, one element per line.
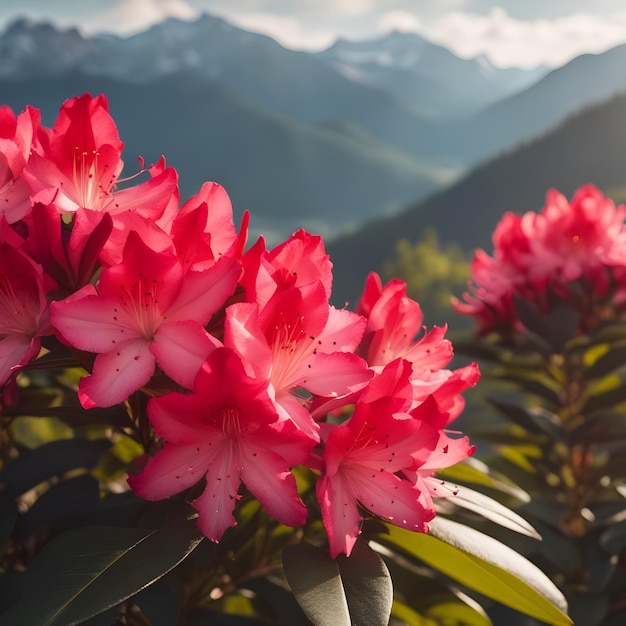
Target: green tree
<point>432,274</point>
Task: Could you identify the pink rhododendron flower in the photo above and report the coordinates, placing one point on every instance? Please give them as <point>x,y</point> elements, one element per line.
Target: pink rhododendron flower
<point>23,310</point>
<point>299,261</point>
<point>203,230</point>
<point>18,137</point>
<point>298,341</point>
<point>393,323</point>
<point>144,312</point>
<point>228,431</point>
<point>538,253</point>
<point>80,165</point>
<point>365,457</point>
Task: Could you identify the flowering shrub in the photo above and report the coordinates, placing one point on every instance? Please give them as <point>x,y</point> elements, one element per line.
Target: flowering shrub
<point>209,376</point>
<point>572,252</point>
<point>550,312</point>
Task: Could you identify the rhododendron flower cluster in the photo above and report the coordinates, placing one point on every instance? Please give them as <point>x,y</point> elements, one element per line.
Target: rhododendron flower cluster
<point>570,251</point>
<point>243,368</point>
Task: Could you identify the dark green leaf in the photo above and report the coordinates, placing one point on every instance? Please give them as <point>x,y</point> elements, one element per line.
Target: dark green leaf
<point>614,358</point>
<point>65,500</point>
<point>555,328</point>
<point>534,384</point>
<point>613,539</point>
<point>533,419</point>
<point>51,459</point>
<point>316,583</point>
<point>600,427</point>
<point>607,399</point>
<point>485,565</point>
<point>83,572</point>
<point>367,584</point>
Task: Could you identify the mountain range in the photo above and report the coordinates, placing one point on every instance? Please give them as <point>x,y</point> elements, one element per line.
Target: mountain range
<point>589,147</point>
<point>328,140</point>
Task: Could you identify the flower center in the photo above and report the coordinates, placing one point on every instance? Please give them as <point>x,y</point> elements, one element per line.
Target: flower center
<point>91,194</point>
<point>142,304</point>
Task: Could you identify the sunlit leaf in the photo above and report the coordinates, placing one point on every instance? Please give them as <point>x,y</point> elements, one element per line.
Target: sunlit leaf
<point>477,472</point>
<point>83,572</point>
<point>485,565</point>
<point>316,583</point>
<point>457,614</point>
<point>492,510</point>
<point>607,363</point>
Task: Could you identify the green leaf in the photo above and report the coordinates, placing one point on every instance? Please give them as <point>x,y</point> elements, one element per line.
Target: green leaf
<point>489,509</point>
<point>316,583</point>
<point>51,459</point>
<point>485,565</point>
<point>367,584</point>
<point>533,419</point>
<point>474,471</point>
<point>348,590</point>
<point>613,539</point>
<point>607,363</point>
<point>458,614</point>
<point>65,501</point>
<point>83,572</point>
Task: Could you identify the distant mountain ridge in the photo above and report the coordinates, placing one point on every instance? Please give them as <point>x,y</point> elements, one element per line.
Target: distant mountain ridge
<point>427,77</point>
<point>587,148</point>
<point>322,140</point>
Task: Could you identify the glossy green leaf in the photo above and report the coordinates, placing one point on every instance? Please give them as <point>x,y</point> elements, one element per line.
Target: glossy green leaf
<point>51,459</point>
<point>367,584</point>
<point>316,583</point>
<point>475,471</point>
<point>490,509</point>
<point>485,565</point>
<point>83,572</point>
<point>348,590</point>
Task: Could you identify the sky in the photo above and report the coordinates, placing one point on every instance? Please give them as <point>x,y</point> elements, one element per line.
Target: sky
<point>521,33</point>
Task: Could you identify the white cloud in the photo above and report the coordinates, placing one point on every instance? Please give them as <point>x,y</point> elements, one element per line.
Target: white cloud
<point>526,43</point>
<point>399,20</point>
<point>131,16</point>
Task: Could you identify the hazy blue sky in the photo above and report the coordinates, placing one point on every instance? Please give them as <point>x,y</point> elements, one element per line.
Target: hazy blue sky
<point>510,32</point>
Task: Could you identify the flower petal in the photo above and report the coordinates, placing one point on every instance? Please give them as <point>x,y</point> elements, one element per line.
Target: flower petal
<point>268,477</point>
<point>92,322</point>
<point>217,502</point>
<point>181,348</point>
<point>171,470</point>
<point>340,514</point>
<point>117,374</point>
